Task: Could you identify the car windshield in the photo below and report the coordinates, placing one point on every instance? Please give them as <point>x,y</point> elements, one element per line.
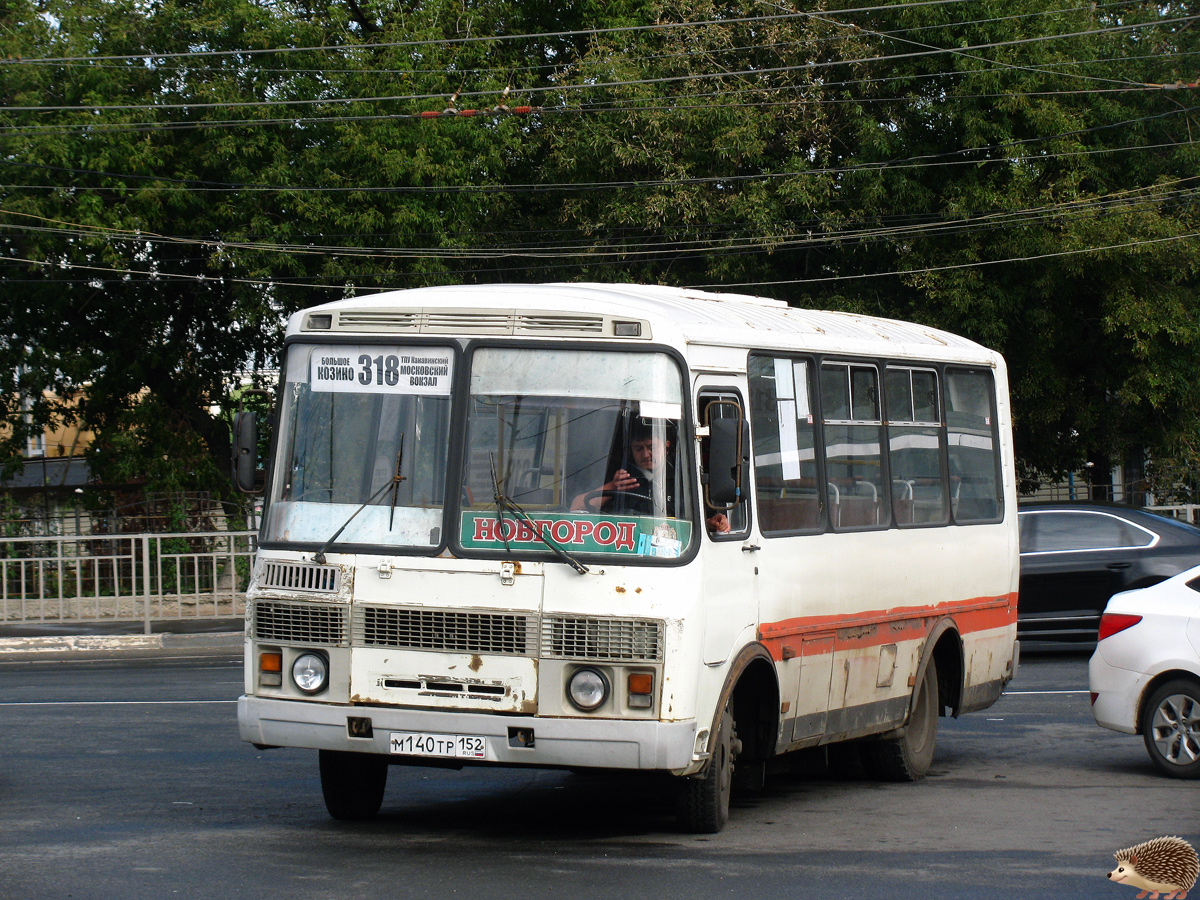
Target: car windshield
<point>362,424</point>
<point>585,444</point>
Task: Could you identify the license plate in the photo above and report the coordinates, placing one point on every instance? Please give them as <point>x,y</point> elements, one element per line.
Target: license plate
<point>451,746</point>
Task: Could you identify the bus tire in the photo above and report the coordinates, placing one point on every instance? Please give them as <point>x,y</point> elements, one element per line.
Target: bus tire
<point>704,801</point>
<point>352,784</point>
<point>909,756</point>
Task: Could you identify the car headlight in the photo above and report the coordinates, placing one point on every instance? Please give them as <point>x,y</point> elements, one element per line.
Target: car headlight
<point>310,673</point>
<point>587,689</point>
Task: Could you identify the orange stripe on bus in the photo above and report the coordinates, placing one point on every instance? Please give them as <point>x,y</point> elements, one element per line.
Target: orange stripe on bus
<point>786,639</point>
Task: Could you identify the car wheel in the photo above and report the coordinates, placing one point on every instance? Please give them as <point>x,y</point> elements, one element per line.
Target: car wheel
<point>704,801</point>
<point>908,757</point>
<point>352,783</point>
<point>1171,728</point>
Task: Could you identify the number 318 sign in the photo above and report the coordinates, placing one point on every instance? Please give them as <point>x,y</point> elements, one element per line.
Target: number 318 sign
<point>381,370</point>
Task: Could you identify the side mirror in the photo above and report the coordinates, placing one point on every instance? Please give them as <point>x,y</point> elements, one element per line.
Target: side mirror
<point>247,473</point>
<point>728,453</point>
<point>245,451</point>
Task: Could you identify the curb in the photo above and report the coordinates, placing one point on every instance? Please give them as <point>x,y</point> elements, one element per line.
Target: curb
<point>96,646</point>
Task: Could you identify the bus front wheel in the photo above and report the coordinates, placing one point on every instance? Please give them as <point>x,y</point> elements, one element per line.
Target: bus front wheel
<point>352,783</point>
<point>909,756</point>
<point>704,801</point>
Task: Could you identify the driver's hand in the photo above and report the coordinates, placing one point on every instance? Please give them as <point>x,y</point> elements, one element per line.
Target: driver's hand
<point>623,481</point>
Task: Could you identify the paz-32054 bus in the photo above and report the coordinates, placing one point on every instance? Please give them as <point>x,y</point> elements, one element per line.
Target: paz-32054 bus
<point>626,527</point>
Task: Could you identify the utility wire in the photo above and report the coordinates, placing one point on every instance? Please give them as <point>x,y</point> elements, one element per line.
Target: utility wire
<point>432,42</point>
<point>965,156</point>
<point>949,268</point>
<point>592,86</point>
<point>267,283</point>
<point>1121,202</point>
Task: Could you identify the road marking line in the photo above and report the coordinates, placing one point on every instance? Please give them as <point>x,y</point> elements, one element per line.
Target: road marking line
<point>106,702</point>
<point>1039,693</point>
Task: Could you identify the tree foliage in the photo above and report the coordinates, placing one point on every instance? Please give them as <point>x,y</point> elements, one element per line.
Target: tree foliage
<point>181,174</point>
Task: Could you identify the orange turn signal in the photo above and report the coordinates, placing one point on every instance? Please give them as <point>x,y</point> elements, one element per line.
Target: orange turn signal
<point>641,683</point>
<point>270,662</point>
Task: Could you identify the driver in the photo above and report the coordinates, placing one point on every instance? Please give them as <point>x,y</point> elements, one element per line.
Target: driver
<point>645,478</point>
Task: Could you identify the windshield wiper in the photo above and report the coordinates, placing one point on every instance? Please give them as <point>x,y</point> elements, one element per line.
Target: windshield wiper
<point>393,483</point>
<point>505,503</point>
<point>396,479</point>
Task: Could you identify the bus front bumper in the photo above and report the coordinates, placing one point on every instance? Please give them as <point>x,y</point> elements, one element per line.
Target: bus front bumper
<point>509,740</point>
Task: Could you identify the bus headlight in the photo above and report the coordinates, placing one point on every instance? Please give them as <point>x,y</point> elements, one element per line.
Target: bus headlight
<point>587,689</point>
<point>310,672</point>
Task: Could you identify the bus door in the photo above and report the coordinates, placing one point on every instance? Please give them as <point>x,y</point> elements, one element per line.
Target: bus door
<point>730,590</point>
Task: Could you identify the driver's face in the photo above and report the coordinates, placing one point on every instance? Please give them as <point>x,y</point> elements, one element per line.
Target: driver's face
<point>649,453</point>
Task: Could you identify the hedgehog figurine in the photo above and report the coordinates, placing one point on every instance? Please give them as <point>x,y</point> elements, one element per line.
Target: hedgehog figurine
<point>1166,865</point>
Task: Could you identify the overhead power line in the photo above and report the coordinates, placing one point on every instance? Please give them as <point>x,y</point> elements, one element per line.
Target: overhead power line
<point>965,156</point>
<point>928,270</point>
<point>468,39</point>
<point>591,86</point>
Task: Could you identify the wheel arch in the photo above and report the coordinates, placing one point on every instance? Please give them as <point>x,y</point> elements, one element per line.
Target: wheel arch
<point>945,647</point>
<point>1154,684</point>
<point>753,686</point>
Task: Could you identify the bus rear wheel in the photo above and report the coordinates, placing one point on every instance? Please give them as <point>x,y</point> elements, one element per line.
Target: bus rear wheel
<point>909,756</point>
<point>704,801</point>
<point>352,784</point>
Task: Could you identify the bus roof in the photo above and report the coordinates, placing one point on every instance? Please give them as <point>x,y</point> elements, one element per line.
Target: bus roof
<point>683,315</point>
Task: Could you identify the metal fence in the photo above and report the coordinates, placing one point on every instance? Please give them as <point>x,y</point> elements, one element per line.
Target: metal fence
<point>144,578</point>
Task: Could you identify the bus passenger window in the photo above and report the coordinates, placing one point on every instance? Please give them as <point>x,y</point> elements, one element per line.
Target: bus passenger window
<point>973,442</point>
<point>853,457</point>
<point>784,443</point>
<point>919,495</point>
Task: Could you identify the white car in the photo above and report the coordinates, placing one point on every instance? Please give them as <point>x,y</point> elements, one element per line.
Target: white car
<point>1145,673</point>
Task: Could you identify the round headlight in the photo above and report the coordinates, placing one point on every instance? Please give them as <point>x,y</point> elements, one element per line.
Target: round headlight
<point>310,672</point>
<point>587,689</point>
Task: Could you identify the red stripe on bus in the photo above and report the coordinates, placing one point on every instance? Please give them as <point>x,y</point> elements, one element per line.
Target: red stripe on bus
<point>786,639</point>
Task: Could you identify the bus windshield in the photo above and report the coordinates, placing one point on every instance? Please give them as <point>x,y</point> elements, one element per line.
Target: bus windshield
<point>362,424</point>
<point>586,443</point>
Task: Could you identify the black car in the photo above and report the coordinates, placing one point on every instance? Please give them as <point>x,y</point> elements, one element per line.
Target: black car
<point>1074,556</point>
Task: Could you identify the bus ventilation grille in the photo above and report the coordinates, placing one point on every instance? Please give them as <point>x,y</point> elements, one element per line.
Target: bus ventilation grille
<point>470,322</point>
<point>457,631</point>
<point>300,577</point>
<point>300,623</point>
<point>588,637</point>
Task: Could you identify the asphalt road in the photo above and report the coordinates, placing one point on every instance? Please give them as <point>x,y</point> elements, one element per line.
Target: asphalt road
<point>126,779</point>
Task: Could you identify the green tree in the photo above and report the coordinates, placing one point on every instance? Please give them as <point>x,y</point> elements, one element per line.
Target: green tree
<point>1021,178</point>
<point>1062,159</point>
<point>190,171</point>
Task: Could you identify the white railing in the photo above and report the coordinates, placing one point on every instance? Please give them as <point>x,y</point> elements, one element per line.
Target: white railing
<point>124,578</point>
<point>1188,512</point>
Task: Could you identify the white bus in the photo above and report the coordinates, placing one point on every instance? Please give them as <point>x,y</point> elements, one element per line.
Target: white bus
<point>623,527</point>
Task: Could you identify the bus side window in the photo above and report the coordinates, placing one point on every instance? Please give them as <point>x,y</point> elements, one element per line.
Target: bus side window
<point>719,522</point>
<point>975,486</point>
<point>853,441</point>
<point>915,464</point>
<point>786,475</point>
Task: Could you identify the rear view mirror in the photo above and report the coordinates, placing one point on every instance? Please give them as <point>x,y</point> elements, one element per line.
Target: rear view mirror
<point>248,475</point>
<point>245,451</point>
<point>729,448</point>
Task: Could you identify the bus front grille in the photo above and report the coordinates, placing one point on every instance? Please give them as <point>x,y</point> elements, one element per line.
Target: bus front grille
<point>287,622</point>
<point>457,631</point>
<point>596,638</point>
<point>300,577</point>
